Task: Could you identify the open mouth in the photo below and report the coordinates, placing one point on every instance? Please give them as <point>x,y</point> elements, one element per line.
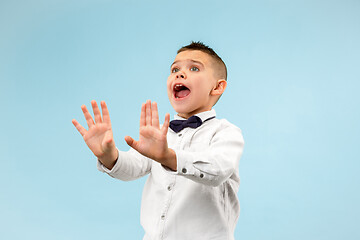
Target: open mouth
<point>181,91</point>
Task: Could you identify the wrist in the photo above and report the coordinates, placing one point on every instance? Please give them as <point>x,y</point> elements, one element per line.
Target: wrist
<point>109,160</point>
<point>170,159</point>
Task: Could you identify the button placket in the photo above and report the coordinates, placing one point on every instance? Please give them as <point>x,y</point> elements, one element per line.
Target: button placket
<point>169,187</point>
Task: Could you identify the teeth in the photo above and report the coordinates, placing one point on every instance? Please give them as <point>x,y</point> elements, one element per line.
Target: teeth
<point>178,87</point>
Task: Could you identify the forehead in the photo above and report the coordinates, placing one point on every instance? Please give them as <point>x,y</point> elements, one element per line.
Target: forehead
<point>193,55</point>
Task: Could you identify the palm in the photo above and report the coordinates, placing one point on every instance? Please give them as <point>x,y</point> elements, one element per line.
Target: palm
<point>152,140</point>
<point>99,136</point>
<point>151,136</point>
<point>95,138</point>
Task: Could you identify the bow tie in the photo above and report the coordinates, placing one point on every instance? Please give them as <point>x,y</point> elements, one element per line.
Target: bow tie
<point>192,122</point>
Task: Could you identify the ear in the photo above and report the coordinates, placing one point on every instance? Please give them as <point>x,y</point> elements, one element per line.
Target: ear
<point>219,88</point>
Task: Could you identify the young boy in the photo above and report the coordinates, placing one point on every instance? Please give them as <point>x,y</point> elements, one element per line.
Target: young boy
<point>191,190</point>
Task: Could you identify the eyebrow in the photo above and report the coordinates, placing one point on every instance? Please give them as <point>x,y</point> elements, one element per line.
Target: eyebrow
<point>194,61</point>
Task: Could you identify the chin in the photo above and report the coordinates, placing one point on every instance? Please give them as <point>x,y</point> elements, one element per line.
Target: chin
<point>187,106</point>
<point>181,110</point>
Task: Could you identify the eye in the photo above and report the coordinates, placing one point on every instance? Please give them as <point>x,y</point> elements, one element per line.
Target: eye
<point>194,69</point>
<point>174,70</point>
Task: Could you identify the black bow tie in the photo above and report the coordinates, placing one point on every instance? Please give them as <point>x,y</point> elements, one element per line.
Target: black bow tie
<point>192,122</point>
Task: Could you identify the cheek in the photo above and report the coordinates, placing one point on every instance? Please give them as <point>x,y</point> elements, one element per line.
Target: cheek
<point>168,89</point>
<point>168,85</point>
<point>203,91</point>
<point>168,82</point>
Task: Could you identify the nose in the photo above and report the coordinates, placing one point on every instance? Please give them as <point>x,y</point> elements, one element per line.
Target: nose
<point>180,74</point>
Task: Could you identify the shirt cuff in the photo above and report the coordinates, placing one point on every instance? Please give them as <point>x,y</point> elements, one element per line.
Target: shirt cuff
<point>193,169</point>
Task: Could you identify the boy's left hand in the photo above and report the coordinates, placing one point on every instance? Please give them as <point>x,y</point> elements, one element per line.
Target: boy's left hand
<point>152,140</point>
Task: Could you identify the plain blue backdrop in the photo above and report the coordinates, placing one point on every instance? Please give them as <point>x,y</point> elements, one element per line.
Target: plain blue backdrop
<point>293,88</point>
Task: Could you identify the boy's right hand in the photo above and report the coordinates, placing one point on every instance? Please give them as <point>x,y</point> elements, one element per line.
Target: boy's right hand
<point>99,136</point>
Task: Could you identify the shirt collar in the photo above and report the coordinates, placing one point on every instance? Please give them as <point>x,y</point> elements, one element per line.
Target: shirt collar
<point>203,115</point>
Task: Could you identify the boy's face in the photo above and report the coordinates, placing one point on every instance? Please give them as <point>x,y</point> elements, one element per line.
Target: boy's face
<point>191,83</point>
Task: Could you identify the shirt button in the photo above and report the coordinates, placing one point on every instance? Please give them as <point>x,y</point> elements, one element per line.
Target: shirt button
<point>201,175</point>
<point>184,170</point>
<point>162,217</point>
<point>169,188</point>
<point>180,135</point>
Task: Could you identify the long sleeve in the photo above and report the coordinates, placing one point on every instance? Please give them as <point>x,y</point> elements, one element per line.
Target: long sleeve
<point>130,166</point>
<point>215,163</point>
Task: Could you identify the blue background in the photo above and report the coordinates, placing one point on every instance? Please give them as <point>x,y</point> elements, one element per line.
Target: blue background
<point>293,88</point>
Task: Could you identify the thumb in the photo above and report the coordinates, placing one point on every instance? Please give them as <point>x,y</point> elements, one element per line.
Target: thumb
<point>131,142</point>
<point>108,142</point>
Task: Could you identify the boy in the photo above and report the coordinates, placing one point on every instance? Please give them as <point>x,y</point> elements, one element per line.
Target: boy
<point>192,162</point>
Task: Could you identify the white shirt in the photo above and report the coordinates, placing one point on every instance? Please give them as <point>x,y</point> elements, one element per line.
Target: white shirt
<point>199,200</point>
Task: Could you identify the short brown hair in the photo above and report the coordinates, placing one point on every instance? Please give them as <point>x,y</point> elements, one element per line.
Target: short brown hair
<point>221,67</point>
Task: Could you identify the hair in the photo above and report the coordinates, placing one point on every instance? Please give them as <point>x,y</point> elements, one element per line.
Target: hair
<point>221,70</point>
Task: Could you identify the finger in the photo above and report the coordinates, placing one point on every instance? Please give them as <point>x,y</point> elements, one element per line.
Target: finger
<point>80,128</point>
<point>142,116</point>
<point>165,126</point>
<point>105,112</point>
<point>96,110</point>
<point>148,112</point>
<point>155,115</point>
<point>88,117</point>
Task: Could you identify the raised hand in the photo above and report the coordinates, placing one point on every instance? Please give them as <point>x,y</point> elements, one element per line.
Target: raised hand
<point>152,140</point>
<point>99,136</point>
